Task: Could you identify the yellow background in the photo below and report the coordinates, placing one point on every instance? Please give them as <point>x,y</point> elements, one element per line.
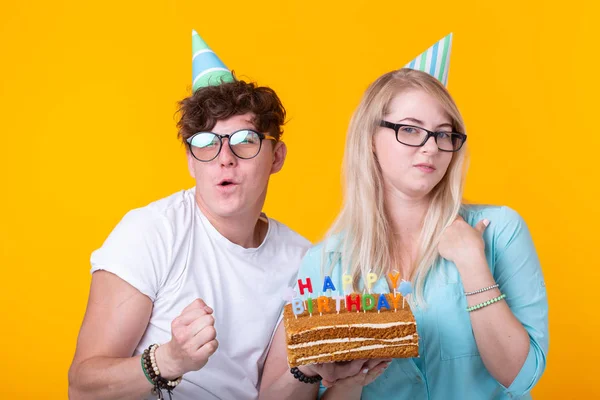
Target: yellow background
<point>87,102</point>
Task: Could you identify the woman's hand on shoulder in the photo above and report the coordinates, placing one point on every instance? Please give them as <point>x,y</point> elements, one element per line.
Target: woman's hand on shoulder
<point>461,243</point>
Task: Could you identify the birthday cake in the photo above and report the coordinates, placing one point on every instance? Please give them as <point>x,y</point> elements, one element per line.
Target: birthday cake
<point>345,328</point>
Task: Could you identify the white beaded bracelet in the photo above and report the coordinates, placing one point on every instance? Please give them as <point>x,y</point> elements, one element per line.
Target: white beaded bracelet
<point>170,383</point>
<point>481,290</point>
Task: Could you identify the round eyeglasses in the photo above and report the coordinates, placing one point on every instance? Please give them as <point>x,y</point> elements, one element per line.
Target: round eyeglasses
<point>245,144</point>
<point>415,136</point>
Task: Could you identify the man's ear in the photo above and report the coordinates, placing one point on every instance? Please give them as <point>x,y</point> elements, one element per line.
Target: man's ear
<point>190,163</point>
<point>279,154</point>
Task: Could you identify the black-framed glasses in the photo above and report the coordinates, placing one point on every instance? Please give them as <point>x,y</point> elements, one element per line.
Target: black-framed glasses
<point>245,144</point>
<point>415,136</point>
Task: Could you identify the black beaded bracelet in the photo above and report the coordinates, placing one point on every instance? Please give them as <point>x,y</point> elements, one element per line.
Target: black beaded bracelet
<point>303,378</point>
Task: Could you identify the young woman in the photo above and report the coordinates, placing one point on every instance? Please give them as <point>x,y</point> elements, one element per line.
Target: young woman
<point>479,295</point>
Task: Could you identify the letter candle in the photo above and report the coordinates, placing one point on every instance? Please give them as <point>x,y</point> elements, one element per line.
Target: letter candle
<point>382,302</point>
<point>346,280</point>
<point>297,307</point>
<point>355,302</point>
<point>305,286</point>
<point>328,284</point>
<point>338,299</point>
<point>371,279</point>
<point>322,304</point>
<point>368,302</point>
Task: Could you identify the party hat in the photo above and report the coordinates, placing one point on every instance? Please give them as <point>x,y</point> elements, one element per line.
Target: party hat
<point>207,68</point>
<point>435,61</point>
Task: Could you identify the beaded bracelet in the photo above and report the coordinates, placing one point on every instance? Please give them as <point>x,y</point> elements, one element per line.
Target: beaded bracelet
<point>486,303</point>
<point>152,351</point>
<point>146,371</point>
<point>303,378</point>
<point>152,373</point>
<point>481,290</point>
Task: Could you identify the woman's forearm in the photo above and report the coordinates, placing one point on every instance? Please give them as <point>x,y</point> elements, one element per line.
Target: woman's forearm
<point>502,341</point>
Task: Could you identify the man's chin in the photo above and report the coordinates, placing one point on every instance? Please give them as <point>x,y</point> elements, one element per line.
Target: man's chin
<point>230,210</point>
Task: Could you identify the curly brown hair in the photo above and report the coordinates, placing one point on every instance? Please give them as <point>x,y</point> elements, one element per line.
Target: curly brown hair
<point>201,111</point>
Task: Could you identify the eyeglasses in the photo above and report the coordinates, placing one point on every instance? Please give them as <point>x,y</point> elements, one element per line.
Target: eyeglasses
<point>245,144</point>
<point>416,137</point>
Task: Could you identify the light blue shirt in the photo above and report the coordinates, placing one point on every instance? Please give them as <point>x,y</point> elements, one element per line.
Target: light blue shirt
<point>449,365</point>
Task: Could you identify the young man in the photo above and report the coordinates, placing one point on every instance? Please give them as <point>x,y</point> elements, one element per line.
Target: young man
<point>200,272</point>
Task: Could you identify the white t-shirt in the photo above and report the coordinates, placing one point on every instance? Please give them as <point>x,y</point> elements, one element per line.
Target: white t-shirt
<point>170,252</point>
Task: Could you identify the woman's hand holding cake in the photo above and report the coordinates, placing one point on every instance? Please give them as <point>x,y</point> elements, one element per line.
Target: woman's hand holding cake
<point>351,387</point>
<point>348,372</point>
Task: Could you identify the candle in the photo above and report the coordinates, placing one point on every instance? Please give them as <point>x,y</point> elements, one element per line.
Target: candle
<point>405,289</point>
<point>394,279</point>
<point>346,280</point>
<point>338,299</point>
<point>309,305</point>
<point>382,302</point>
<point>364,311</point>
<point>371,279</point>
<point>297,306</point>
<point>396,300</point>
<point>305,286</point>
<point>323,304</point>
<point>328,284</point>
<point>368,302</point>
<point>355,302</point>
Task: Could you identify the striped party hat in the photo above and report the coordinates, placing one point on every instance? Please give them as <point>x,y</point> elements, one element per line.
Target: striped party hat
<point>207,68</point>
<point>435,61</point>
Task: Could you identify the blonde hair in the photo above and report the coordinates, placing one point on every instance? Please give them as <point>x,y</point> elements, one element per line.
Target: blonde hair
<point>366,233</point>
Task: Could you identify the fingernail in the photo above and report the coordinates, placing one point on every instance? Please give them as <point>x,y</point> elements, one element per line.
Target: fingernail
<point>486,222</point>
<point>208,309</point>
<point>365,370</point>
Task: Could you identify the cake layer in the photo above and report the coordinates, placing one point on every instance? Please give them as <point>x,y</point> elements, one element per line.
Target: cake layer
<point>328,336</point>
<point>388,330</point>
<point>366,352</point>
<point>313,350</point>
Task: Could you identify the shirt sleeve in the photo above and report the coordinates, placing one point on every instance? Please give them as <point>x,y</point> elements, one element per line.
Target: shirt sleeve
<point>138,250</point>
<point>518,272</point>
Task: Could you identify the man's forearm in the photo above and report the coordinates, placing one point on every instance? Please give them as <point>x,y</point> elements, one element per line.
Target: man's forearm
<point>108,378</point>
<point>288,387</point>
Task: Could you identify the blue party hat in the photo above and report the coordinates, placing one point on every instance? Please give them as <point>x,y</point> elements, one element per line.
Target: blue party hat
<point>207,68</point>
